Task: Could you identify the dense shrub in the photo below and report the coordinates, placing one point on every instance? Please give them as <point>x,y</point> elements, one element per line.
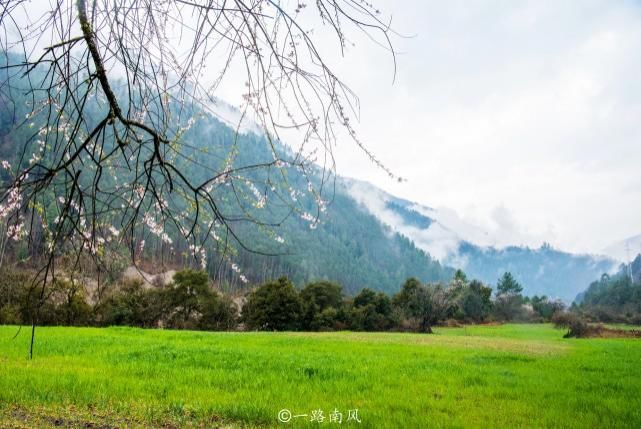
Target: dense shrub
<point>371,311</point>
<point>131,305</point>
<point>186,303</point>
<point>322,306</point>
<point>416,304</point>
<point>273,306</point>
<point>476,302</point>
<point>544,307</point>
<point>509,301</point>
<point>218,313</point>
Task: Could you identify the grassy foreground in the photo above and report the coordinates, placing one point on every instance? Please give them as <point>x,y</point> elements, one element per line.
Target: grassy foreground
<point>483,376</point>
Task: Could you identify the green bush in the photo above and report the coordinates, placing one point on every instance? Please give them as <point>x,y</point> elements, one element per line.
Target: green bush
<point>273,306</point>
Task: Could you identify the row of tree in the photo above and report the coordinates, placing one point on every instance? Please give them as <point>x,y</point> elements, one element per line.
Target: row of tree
<point>277,305</point>
<point>189,302</point>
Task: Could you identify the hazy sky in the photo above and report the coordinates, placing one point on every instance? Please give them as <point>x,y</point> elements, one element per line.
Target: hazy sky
<point>523,117</point>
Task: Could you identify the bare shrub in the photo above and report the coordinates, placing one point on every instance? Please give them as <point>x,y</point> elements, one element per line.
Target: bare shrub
<point>576,326</point>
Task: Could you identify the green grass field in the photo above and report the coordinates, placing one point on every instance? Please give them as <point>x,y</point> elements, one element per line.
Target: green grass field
<point>482,376</point>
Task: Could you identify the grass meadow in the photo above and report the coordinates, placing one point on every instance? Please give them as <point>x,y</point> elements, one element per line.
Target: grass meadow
<point>480,376</point>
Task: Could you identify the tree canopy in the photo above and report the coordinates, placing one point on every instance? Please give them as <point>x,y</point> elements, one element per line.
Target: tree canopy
<point>508,285</point>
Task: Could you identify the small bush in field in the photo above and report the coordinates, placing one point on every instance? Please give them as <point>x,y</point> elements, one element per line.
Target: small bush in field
<point>576,326</point>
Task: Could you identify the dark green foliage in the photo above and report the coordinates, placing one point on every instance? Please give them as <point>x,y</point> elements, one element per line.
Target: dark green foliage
<point>65,302</point>
<point>132,305</point>
<point>545,307</point>
<point>273,306</point>
<point>416,305</point>
<point>460,277</point>
<point>371,311</point>
<point>509,307</point>
<point>365,297</point>
<point>322,304</point>
<point>190,303</point>
<point>14,296</point>
<point>507,285</point>
<point>509,301</point>
<point>218,313</point>
<point>329,319</point>
<point>476,302</point>
<point>185,296</point>
<point>423,306</point>
<point>323,294</point>
<point>72,308</point>
<point>186,303</point>
<point>614,298</point>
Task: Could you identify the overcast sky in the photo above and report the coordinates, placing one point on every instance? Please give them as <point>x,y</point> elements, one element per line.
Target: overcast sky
<point>524,117</point>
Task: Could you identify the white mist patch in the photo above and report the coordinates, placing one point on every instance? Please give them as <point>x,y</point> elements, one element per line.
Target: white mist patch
<point>438,240</point>
<point>451,220</point>
<point>624,250</point>
<point>233,117</point>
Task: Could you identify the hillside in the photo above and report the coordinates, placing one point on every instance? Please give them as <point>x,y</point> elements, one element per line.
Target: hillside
<point>347,245</point>
<point>616,297</point>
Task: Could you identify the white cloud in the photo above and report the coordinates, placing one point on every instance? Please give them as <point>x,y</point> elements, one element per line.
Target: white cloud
<point>534,107</point>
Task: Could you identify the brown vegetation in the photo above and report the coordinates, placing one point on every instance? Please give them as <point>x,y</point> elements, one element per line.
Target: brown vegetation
<point>579,328</point>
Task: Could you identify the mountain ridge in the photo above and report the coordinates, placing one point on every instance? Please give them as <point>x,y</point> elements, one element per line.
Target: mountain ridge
<point>543,271</point>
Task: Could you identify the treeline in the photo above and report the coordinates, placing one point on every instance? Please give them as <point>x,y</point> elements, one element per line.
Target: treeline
<point>189,302</point>
<point>417,307</point>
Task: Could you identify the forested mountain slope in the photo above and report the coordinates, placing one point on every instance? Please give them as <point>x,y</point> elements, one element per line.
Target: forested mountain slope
<point>616,297</point>
<point>347,245</point>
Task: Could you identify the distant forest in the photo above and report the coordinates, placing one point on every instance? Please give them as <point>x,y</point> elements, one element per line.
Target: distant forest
<point>615,298</point>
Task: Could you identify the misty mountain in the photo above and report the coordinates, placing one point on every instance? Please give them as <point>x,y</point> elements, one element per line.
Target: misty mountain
<point>615,297</point>
<point>444,235</point>
<point>348,245</point>
<point>366,238</point>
